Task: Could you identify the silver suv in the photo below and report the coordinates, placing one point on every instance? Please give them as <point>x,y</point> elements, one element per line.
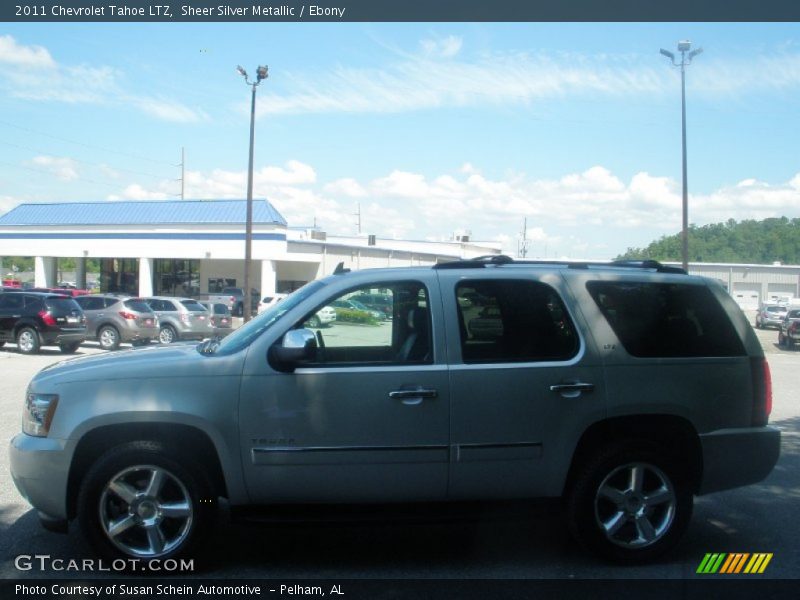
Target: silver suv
<point>622,389</point>
<point>180,319</point>
<point>112,320</point>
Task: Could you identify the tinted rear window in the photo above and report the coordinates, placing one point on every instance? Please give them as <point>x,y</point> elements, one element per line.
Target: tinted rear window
<point>137,305</point>
<point>193,305</point>
<point>666,320</point>
<point>61,306</point>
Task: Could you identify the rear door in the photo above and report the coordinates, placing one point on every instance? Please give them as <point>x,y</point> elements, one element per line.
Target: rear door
<point>11,307</point>
<point>93,310</point>
<point>525,382</point>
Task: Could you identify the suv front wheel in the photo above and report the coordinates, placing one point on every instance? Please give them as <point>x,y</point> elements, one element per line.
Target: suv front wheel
<point>140,501</point>
<point>629,504</point>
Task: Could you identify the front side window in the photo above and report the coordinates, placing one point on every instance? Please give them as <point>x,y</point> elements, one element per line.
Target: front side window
<point>351,333</point>
<point>665,319</point>
<point>513,321</point>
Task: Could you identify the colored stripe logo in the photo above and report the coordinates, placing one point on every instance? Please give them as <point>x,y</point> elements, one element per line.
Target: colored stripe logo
<point>734,563</point>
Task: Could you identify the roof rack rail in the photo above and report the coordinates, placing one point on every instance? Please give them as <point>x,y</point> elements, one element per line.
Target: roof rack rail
<point>501,259</point>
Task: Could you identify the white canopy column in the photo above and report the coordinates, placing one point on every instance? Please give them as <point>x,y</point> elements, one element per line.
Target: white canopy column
<point>44,271</point>
<point>145,277</point>
<point>268,278</point>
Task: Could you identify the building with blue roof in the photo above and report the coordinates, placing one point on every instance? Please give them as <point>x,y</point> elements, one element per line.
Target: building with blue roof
<point>196,247</point>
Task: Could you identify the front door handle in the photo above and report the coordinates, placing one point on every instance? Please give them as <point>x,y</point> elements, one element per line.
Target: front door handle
<point>572,389</point>
<point>413,396</point>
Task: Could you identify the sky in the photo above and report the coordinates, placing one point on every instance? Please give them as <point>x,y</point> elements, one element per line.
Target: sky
<point>430,129</point>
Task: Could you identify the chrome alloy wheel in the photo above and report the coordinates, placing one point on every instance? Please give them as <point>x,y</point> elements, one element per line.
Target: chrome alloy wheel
<point>109,338</point>
<point>145,511</point>
<point>26,341</point>
<point>166,335</point>
<point>635,505</point>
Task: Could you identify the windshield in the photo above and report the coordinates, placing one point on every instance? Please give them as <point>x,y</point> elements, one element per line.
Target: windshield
<point>243,336</point>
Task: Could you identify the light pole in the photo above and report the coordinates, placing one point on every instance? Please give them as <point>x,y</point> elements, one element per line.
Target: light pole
<point>687,54</point>
<point>261,73</point>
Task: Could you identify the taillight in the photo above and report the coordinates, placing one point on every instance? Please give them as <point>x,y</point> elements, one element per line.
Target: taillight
<point>793,326</point>
<point>186,317</point>
<point>47,318</point>
<point>762,391</point>
<point>126,315</point>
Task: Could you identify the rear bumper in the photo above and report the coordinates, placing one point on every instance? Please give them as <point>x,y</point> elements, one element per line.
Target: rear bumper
<point>52,338</point>
<point>738,457</point>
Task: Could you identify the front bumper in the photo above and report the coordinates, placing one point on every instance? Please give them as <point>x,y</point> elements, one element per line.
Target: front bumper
<point>738,457</point>
<point>40,470</point>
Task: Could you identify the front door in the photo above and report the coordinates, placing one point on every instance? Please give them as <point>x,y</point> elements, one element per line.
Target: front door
<point>367,420</point>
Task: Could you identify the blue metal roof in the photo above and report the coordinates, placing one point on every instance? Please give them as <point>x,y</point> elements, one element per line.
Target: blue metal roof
<point>151,212</point>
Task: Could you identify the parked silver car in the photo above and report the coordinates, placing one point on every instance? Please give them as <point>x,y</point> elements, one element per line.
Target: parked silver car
<point>622,389</point>
<point>113,319</point>
<point>221,318</point>
<point>180,319</point>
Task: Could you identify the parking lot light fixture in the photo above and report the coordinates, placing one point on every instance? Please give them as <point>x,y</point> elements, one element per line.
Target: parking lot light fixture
<point>262,72</point>
<point>687,54</point>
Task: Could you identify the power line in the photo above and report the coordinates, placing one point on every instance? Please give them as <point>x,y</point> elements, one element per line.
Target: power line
<point>85,145</point>
<point>85,162</point>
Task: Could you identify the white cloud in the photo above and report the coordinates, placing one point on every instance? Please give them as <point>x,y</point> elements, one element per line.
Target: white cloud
<point>442,76</point>
<point>31,73</point>
<point>23,56</point>
<point>64,169</point>
<point>588,214</point>
<point>446,47</point>
<point>347,187</point>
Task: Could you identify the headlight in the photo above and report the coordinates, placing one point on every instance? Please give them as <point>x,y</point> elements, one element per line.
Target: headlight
<point>38,413</point>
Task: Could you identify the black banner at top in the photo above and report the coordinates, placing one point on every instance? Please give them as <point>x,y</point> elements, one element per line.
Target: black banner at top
<point>398,10</point>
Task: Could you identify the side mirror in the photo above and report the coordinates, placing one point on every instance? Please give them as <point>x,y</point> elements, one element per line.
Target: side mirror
<point>297,346</point>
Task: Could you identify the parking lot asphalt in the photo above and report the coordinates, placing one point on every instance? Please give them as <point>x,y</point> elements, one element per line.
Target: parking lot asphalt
<point>758,518</point>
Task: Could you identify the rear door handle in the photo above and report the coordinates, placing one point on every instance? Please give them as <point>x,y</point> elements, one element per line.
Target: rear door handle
<point>572,389</point>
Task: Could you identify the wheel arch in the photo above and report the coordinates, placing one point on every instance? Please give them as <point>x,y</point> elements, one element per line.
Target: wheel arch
<point>676,435</point>
<point>189,441</point>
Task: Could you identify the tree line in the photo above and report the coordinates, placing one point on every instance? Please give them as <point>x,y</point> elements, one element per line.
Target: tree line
<point>748,241</point>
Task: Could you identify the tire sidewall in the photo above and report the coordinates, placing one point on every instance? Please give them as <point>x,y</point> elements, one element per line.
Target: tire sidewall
<point>581,503</point>
<point>116,337</point>
<point>36,341</point>
<point>143,453</point>
<point>172,333</point>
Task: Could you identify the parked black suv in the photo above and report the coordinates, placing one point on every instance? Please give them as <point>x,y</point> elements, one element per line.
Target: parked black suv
<point>36,319</point>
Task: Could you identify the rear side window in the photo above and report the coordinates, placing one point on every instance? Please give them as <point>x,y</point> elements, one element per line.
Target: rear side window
<point>90,303</point>
<point>137,305</point>
<point>513,321</point>
<point>61,306</point>
<point>661,320</point>
<point>11,301</point>
<point>192,305</point>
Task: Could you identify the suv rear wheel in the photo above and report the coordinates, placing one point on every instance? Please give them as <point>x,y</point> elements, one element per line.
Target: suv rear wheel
<point>108,336</point>
<point>140,500</point>
<point>629,503</point>
<point>28,340</point>
<point>167,335</point>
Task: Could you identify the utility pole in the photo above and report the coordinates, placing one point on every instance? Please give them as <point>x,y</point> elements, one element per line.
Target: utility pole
<point>358,214</point>
<point>522,251</point>
<point>183,176</point>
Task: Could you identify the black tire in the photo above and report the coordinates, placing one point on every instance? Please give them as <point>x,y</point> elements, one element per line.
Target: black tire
<point>2,344</point>
<point>167,334</point>
<point>121,491</point>
<point>69,348</point>
<point>781,339</point>
<point>314,322</point>
<point>660,509</point>
<point>108,337</point>
<point>28,341</point>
